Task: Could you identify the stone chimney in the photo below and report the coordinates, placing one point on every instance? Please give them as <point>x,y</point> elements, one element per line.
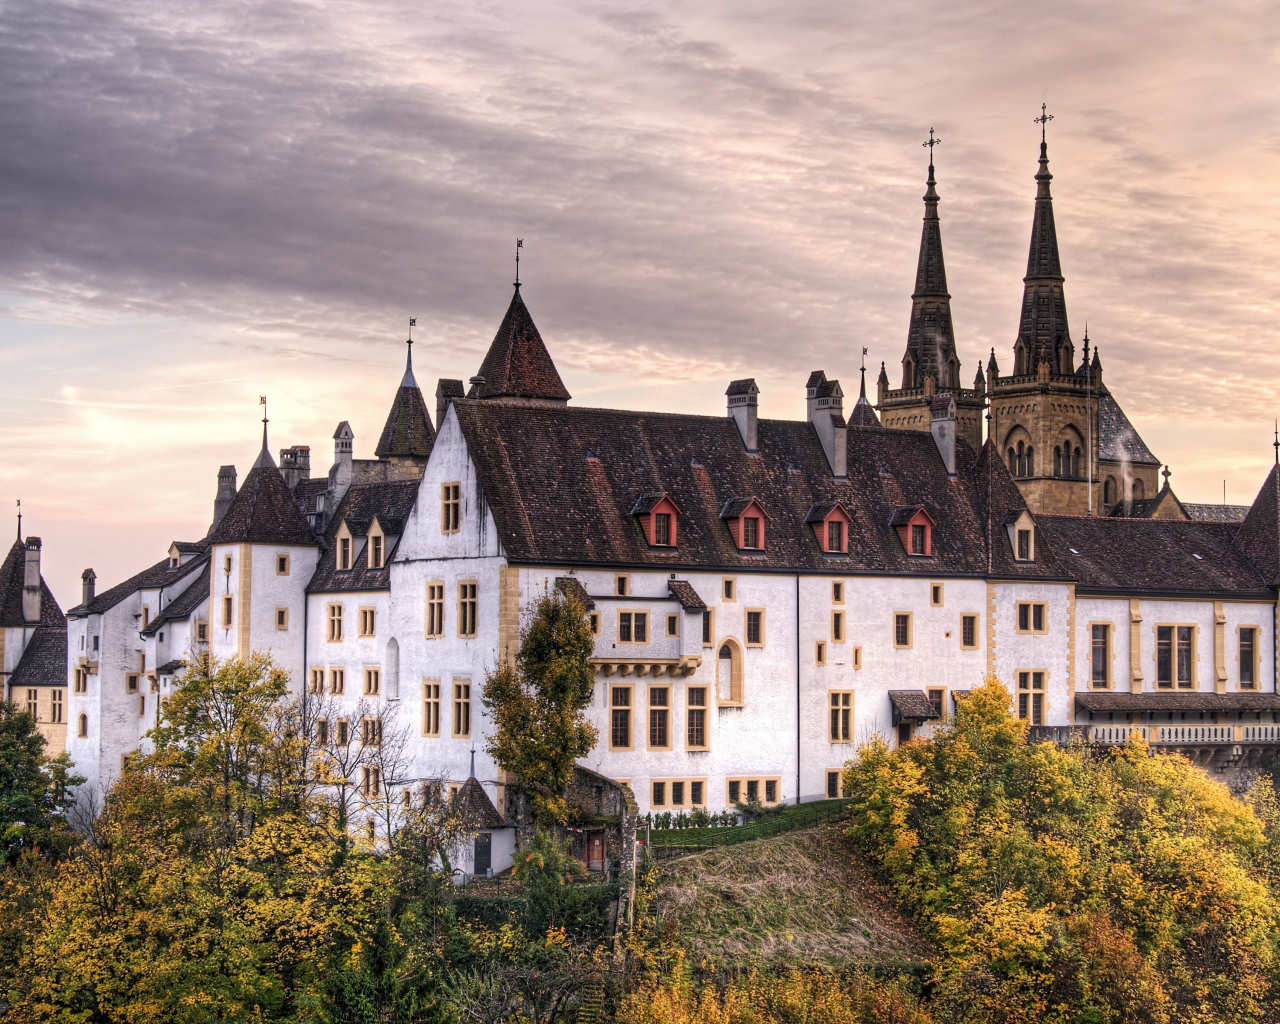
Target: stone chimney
<point>340,473</point>
<point>825,406</point>
<point>31,583</point>
<point>446,391</point>
<point>88,584</point>
<point>742,409</point>
<point>942,421</point>
<point>226,493</point>
<point>295,465</point>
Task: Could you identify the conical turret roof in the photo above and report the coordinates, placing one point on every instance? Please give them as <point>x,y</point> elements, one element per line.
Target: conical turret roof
<point>518,364</point>
<point>407,432</point>
<point>263,511</point>
<point>863,415</point>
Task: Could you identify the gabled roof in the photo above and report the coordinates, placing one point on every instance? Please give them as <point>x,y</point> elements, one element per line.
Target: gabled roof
<point>820,510</point>
<point>734,507</point>
<point>650,500</point>
<point>1215,513</point>
<point>863,415</point>
<point>263,511</point>
<point>1164,505</point>
<point>407,432</point>
<point>159,575</point>
<point>903,516</point>
<point>682,591</point>
<point>185,603</point>
<point>571,586</point>
<point>1117,440</point>
<point>1002,504</point>
<point>13,575</point>
<point>914,704</point>
<point>518,364</point>
<point>44,661</point>
<point>390,503</point>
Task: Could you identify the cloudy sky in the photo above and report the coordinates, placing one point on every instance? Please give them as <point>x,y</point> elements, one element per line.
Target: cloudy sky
<point>206,201</point>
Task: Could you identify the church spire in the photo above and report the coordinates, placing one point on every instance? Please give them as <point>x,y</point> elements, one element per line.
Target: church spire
<point>1043,334</point>
<point>931,345</point>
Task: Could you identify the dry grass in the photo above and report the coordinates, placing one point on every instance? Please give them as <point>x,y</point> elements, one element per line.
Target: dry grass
<point>800,897</point>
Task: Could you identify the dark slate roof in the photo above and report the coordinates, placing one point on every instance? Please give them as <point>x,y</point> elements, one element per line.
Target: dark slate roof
<point>44,661</point>
<point>310,489</point>
<point>518,364</point>
<point>646,503</point>
<point>1130,555</point>
<point>407,432</point>
<point>171,668</point>
<point>748,384</point>
<point>572,587</point>
<point>1259,534</point>
<point>683,591</point>
<point>158,575</point>
<point>1216,513</point>
<point>391,503</point>
<point>185,603</point>
<point>1117,440</point>
<point>734,507</point>
<point>1146,508</point>
<point>1001,504</point>
<point>552,503</point>
<point>263,511</point>
<point>1173,701</point>
<point>912,704</point>
<point>13,575</point>
<point>187,547</point>
<point>820,511</point>
<point>863,415</point>
<point>903,516</point>
<point>474,806</point>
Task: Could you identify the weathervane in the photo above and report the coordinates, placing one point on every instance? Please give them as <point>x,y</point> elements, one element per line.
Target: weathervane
<point>19,519</point>
<point>413,322</point>
<point>1044,118</point>
<point>931,143</point>
<point>519,246</point>
<point>262,401</point>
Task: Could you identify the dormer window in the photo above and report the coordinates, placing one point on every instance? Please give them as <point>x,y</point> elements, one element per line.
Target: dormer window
<point>745,518</point>
<point>915,531</point>
<point>830,521</point>
<point>1024,545</point>
<point>344,552</point>
<point>1022,535</point>
<point>659,518</point>
<point>375,551</point>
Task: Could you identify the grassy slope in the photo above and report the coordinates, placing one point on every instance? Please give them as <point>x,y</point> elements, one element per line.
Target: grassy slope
<point>803,896</point>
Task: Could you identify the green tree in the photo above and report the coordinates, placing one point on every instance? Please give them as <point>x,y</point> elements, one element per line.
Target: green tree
<point>35,791</point>
<point>536,705</point>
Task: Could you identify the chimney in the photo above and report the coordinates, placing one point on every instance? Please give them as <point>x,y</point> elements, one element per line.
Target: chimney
<point>31,583</point>
<point>295,465</point>
<point>825,405</point>
<point>341,472</point>
<point>226,492</point>
<point>742,409</point>
<point>88,584</point>
<point>446,391</point>
<point>942,421</point>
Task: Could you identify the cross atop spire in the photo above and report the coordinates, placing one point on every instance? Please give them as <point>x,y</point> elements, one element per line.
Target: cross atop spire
<point>1044,118</point>
<point>519,246</point>
<point>931,143</point>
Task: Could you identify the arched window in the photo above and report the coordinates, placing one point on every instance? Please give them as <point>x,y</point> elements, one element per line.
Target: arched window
<point>1057,460</point>
<point>1031,461</point>
<point>1075,463</point>
<point>391,669</point>
<point>1022,460</point>
<point>1138,492</point>
<point>1109,491</point>
<point>729,673</point>
<point>82,729</point>
<point>1013,466</point>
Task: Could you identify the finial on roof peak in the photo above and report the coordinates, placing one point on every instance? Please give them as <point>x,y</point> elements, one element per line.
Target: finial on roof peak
<point>930,195</point>
<point>409,381</point>
<point>519,246</point>
<point>19,520</point>
<point>264,457</point>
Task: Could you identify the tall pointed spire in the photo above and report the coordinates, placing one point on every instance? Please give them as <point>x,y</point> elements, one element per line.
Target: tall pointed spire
<point>407,434</point>
<point>1043,334</point>
<point>931,344</point>
<point>517,366</point>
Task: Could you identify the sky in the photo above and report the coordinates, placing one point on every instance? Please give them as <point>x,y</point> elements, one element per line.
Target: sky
<point>204,202</point>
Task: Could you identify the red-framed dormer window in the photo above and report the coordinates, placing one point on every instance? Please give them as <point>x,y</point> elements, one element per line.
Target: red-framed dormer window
<point>830,521</point>
<point>915,530</point>
<point>746,520</point>
<point>659,519</point>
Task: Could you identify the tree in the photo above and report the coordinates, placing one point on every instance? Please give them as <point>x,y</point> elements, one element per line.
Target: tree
<point>536,705</point>
<point>35,791</point>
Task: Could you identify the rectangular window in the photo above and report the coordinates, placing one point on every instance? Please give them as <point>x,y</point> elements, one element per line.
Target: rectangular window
<point>624,627</point>
<point>1031,618</point>
<point>226,566</point>
<point>1185,671</point>
<point>435,610</point>
<point>622,585</point>
<point>370,783</point>
<point>1100,655</point>
<point>969,631</point>
<point>837,593</point>
<point>130,683</point>
<point>901,629</point>
<point>375,551</point>
<point>697,791</point>
<point>146,616</point>
<point>770,791</point>
<point>467,609</point>
<point>344,553</point>
<point>1248,657</point>
<point>755,627</point>
<point>594,619</point>
<point>662,529</point>
<point>343,732</point>
<point>450,508</point>
<point>659,718</point>
<point>696,736</point>
<point>730,590</point>
<point>372,682</point>
<point>55,706</point>
<point>368,621</point>
<point>857,657</point>
<point>202,632</point>
<point>371,732</point>
<point>659,794</point>
<point>81,684</point>
<point>707,628</point>
<point>620,718</point>
<point>820,653</point>
<point>1024,545</point>
<point>1031,697</point>
<point>142,706</point>
<point>840,727</point>
<point>677,794</point>
<point>751,531</point>
<point>282,565</point>
<point>228,605</point>
<point>673,625</point>
<point>833,785</point>
<point>337,681</point>
<point>835,535</point>
<point>734,791</point>
<point>315,684</point>
<point>322,732</point>
<point>936,697</point>
<point>935,595</point>
<point>837,627</point>
<point>334,622</point>
<point>753,791</point>
<point>431,708</point>
<point>282,618</point>
<point>633,627</point>
<point>462,708</point>
<point>917,539</point>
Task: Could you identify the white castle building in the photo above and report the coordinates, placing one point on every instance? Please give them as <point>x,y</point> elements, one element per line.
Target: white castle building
<point>765,594</point>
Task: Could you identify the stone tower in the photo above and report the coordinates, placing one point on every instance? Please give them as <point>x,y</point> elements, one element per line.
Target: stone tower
<point>930,365</point>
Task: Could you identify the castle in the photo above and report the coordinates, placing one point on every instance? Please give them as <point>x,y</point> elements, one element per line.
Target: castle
<point>765,594</point>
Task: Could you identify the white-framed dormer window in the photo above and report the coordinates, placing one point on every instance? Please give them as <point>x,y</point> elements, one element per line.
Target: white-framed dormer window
<point>377,546</point>
<point>1022,537</point>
